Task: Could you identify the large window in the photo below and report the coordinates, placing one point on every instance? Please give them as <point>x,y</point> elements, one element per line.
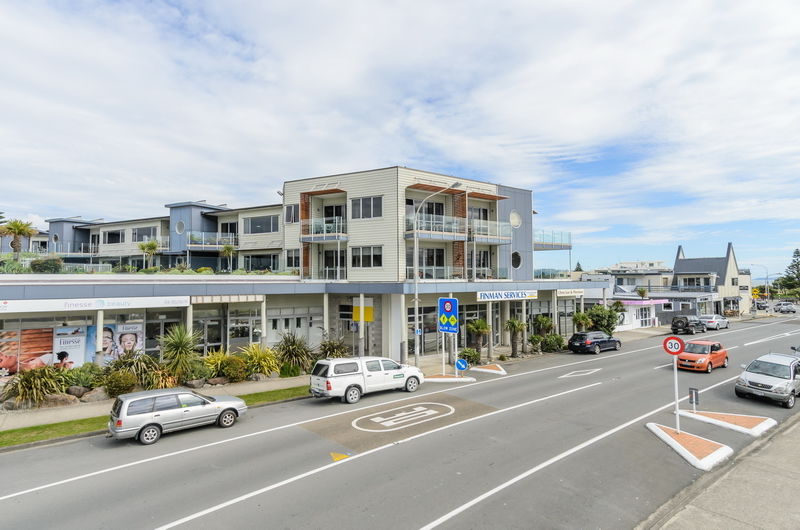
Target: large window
<point>292,213</point>
<point>144,234</point>
<point>111,237</point>
<point>228,228</point>
<point>430,208</point>
<point>261,225</point>
<point>367,207</point>
<point>367,256</point>
<point>260,262</point>
<point>293,258</point>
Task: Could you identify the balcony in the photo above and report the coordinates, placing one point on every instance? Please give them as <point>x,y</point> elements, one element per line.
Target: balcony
<point>331,273</point>
<point>73,249</point>
<point>209,240</point>
<point>551,240</point>
<point>437,227</point>
<point>489,232</point>
<point>457,273</point>
<point>680,288</point>
<point>324,229</point>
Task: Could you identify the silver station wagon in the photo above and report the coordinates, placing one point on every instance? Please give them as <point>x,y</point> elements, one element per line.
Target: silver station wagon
<point>147,415</point>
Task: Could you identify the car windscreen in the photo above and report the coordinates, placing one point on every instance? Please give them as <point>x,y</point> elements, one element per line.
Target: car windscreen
<point>320,370</point>
<point>771,369</point>
<point>209,398</point>
<point>691,347</point>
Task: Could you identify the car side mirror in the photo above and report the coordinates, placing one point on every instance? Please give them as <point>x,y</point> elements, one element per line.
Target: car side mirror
<point>794,348</point>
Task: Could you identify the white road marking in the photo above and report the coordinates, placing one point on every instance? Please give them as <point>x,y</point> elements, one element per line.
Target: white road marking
<point>361,455</point>
<point>410,415</point>
<point>663,365</point>
<point>294,424</point>
<point>579,373</point>
<point>555,459</point>
<point>774,337</point>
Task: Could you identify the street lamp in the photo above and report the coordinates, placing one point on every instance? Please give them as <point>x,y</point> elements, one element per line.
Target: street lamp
<point>767,281</point>
<point>417,326</point>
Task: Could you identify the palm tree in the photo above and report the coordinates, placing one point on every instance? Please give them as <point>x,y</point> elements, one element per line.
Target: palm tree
<point>542,324</point>
<point>479,328</point>
<point>515,327</point>
<point>17,229</point>
<point>178,347</point>
<point>642,292</point>
<point>228,251</point>
<point>582,321</point>
<point>149,249</point>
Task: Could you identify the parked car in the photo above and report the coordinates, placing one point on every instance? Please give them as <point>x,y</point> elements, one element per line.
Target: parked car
<point>774,376</point>
<point>149,414</point>
<point>350,377</point>
<point>785,307</point>
<point>762,304</point>
<point>593,342</point>
<point>715,321</point>
<point>703,355</point>
<point>687,324</point>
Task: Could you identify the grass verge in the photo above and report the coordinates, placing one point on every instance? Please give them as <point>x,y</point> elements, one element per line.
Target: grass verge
<point>67,428</point>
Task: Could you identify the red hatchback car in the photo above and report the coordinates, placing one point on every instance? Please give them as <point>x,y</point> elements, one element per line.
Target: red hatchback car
<point>703,355</point>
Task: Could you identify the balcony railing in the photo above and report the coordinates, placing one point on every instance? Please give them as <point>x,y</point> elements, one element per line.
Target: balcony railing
<point>457,273</point>
<point>437,227</point>
<point>72,248</point>
<point>211,239</point>
<point>324,229</point>
<point>489,231</point>
<point>551,240</point>
<point>331,273</point>
<point>679,288</point>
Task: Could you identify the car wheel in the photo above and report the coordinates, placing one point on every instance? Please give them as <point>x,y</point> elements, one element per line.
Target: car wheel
<point>739,393</point>
<point>412,384</point>
<point>596,349</point>
<point>703,329</point>
<point>352,395</point>
<point>727,325</point>
<point>149,435</point>
<point>725,364</point>
<point>789,403</point>
<point>692,331</point>
<point>618,345</point>
<point>226,419</point>
<point>709,368</point>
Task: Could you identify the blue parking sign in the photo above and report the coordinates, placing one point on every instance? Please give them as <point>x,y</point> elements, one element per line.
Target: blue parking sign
<point>447,318</point>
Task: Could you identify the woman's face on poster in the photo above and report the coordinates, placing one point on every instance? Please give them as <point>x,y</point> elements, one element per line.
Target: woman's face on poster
<point>128,341</point>
<point>108,339</point>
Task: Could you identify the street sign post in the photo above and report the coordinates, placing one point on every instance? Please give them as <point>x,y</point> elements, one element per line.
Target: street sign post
<point>694,398</point>
<point>461,364</point>
<point>447,319</point>
<point>673,346</point>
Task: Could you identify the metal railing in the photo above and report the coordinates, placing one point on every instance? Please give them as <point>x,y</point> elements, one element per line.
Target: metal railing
<point>679,288</point>
<point>70,247</point>
<point>496,229</point>
<point>87,267</point>
<point>437,223</point>
<point>211,239</point>
<point>324,226</point>
<point>457,273</point>
<point>331,273</point>
<point>551,240</point>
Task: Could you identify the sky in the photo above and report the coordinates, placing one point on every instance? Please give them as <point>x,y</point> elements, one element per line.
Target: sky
<point>639,126</point>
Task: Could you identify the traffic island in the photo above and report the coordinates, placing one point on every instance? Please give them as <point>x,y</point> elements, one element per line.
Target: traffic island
<point>701,453</point>
<point>489,369</point>
<point>752,425</point>
<point>448,378</point>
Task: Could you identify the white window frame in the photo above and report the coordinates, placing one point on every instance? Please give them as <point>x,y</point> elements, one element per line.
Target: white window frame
<point>667,306</point>
<point>275,224</point>
<point>359,252</point>
<point>360,208</point>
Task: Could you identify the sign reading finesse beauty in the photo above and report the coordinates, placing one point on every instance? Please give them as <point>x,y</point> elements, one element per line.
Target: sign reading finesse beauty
<point>91,304</point>
<point>491,296</point>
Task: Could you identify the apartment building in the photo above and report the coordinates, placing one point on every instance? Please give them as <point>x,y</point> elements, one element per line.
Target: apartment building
<point>337,259</point>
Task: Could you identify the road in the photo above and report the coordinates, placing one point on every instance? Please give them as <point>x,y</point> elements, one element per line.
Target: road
<point>559,442</point>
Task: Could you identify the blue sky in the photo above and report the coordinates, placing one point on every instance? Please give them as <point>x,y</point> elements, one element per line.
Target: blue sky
<point>639,125</point>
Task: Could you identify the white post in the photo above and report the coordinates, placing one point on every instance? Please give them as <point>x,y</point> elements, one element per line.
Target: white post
<point>490,321</point>
<point>525,329</point>
<point>98,341</point>
<point>444,350</point>
<point>325,315</point>
<point>189,318</point>
<point>415,272</point>
<point>361,325</point>
<point>264,320</point>
<point>677,415</point>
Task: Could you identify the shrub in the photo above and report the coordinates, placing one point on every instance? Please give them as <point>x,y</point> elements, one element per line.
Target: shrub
<point>12,267</point>
<point>502,357</point>
<point>204,269</point>
<point>178,348</point>
<point>141,366</point>
<point>47,265</point>
<point>33,385</point>
<point>260,360</point>
<point>289,370</point>
<point>553,342</point>
<point>334,348</point>
<point>160,378</point>
<point>234,369</point>
<point>535,341</point>
<point>88,374</point>
<point>198,370</point>
<point>124,269</point>
<point>151,270</point>
<point>294,350</point>
<point>120,382</point>
<point>603,319</point>
<point>472,356</point>
<point>214,360</point>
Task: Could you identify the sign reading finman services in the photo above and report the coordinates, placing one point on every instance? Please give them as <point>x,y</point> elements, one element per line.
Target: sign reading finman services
<point>492,296</point>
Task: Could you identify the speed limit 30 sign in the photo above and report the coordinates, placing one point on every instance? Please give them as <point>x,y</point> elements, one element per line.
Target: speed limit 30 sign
<point>673,345</point>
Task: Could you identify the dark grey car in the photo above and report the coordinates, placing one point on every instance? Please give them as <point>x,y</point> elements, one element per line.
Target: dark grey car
<point>147,415</point>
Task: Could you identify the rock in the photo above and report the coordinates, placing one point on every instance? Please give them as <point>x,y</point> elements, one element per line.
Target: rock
<point>97,394</point>
<point>59,400</point>
<point>207,385</point>
<point>274,375</point>
<point>196,383</point>
<point>77,391</point>
<point>218,381</point>
<point>258,377</point>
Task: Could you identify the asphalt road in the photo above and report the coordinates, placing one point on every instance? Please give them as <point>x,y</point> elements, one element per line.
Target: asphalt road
<point>558,443</point>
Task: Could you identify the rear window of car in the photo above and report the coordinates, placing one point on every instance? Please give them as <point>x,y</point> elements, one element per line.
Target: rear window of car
<point>320,370</point>
<point>345,368</point>
<point>578,336</point>
<point>115,410</point>
<point>140,406</point>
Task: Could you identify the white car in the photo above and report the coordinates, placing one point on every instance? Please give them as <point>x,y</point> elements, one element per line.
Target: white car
<point>350,377</point>
<point>785,307</point>
<point>715,321</point>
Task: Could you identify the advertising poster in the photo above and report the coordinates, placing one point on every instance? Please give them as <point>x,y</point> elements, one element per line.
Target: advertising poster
<point>129,338</point>
<point>9,348</point>
<point>69,346</point>
<point>117,339</point>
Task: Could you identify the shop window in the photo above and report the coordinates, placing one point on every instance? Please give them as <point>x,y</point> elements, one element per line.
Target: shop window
<point>667,307</point>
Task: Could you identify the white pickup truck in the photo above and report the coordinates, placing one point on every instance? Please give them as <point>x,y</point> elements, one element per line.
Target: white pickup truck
<point>350,377</point>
